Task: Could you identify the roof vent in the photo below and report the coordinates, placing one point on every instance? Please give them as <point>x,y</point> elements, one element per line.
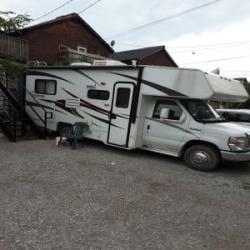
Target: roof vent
<point>107,63</point>
<point>80,64</point>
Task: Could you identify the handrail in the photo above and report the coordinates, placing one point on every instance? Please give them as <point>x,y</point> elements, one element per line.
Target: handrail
<point>11,98</point>
<point>46,118</point>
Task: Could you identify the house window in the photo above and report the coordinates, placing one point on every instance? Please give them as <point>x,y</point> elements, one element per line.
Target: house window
<point>174,110</point>
<point>47,87</point>
<point>122,98</point>
<point>81,49</point>
<point>98,94</point>
<point>63,47</point>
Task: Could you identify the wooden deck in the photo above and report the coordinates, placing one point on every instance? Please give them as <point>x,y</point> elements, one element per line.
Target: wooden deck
<point>69,55</point>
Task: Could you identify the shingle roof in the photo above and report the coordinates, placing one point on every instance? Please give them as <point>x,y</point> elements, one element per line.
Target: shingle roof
<point>74,16</point>
<point>139,54</point>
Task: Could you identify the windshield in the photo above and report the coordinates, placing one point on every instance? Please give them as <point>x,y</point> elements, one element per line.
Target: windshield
<point>201,111</point>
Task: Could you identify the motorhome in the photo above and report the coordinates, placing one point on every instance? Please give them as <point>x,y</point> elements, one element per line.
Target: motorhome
<point>155,108</point>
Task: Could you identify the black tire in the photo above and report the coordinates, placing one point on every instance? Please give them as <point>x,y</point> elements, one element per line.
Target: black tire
<point>202,157</point>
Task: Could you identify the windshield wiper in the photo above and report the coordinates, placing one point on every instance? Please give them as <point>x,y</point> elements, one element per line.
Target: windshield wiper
<point>214,120</point>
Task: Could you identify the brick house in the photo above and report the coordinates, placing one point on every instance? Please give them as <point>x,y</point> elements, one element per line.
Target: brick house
<point>63,40</point>
<point>146,56</point>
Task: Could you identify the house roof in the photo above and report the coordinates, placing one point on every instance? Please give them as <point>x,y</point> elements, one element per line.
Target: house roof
<point>139,54</point>
<point>72,16</point>
<point>241,79</point>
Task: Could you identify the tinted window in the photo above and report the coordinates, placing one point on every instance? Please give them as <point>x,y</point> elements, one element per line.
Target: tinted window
<point>98,94</point>
<point>238,117</point>
<point>231,117</point>
<point>224,115</point>
<point>245,118</point>
<point>200,110</point>
<point>47,87</point>
<point>122,98</point>
<point>174,110</point>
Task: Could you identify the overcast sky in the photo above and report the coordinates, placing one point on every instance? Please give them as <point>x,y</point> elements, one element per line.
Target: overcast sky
<point>186,38</point>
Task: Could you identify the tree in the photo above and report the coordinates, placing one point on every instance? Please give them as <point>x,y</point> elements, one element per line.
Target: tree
<point>11,22</point>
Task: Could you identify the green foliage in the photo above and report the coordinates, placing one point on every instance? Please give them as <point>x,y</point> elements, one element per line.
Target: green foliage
<point>246,186</point>
<point>11,22</point>
<point>12,68</point>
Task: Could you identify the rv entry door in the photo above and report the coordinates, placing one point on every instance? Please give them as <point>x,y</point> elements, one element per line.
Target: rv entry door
<point>120,113</point>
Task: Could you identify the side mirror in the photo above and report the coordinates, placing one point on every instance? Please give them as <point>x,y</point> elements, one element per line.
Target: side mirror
<point>164,113</point>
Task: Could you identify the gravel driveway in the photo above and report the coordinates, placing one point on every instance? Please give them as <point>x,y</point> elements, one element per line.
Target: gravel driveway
<point>99,197</point>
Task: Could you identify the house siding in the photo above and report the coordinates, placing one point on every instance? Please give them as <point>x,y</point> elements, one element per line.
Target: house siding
<point>45,40</point>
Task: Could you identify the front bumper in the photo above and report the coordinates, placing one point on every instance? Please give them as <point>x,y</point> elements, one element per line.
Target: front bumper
<point>235,156</point>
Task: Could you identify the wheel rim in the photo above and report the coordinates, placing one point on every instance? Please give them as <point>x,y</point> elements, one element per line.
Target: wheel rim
<point>200,158</point>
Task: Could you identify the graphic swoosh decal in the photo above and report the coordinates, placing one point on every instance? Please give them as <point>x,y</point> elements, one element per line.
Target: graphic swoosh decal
<point>40,118</point>
<point>33,72</point>
<point>163,89</point>
<point>172,125</point>
<point>102,120</point>
<point>90,78</point>
<point>91,106</point>
<point>33,104</point>
<point>73,111</point>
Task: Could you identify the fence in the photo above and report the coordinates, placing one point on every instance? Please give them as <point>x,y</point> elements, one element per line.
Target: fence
<point>14,48</point>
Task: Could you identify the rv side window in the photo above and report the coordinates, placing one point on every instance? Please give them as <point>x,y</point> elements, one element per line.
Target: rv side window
<point>98,94</point>
<point>47,87</point>
<point>122,97</point>
<point>174,110</point>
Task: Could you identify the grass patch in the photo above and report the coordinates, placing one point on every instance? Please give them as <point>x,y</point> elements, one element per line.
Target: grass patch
<point>246,186</point>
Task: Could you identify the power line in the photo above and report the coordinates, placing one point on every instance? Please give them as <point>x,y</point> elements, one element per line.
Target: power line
<point>52,11</point>
<point>166,18</point>
<point>196,47</point>
<point>240,71</point>
<point>61,6</point>
<point>88,7</point>
<point>208,45</point>
<point>215,49</point>
<point>131,45</point>
<point>217,60</point>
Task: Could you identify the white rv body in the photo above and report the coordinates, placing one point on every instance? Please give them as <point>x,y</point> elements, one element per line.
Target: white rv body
<point>120,104</point>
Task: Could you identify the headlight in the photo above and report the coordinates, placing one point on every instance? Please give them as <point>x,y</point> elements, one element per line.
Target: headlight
<point>238,143</point>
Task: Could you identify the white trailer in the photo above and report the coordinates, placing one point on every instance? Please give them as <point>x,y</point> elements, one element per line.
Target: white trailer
<point>155,108</point>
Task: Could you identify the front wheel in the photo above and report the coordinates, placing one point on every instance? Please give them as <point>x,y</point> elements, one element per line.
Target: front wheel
<point>202,157</point>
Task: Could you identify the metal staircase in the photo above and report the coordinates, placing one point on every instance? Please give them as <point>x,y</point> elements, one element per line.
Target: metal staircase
<point>14,121</point>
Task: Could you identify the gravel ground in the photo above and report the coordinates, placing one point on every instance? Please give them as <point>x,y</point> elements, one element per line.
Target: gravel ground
<point>98,197</point>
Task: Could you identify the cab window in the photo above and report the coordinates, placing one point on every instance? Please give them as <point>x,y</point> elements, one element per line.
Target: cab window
<point>175,111</point>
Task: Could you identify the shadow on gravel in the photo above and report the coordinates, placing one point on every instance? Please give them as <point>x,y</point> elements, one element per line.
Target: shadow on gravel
<point>133,153</point>
<point>237,168</point>
<point>226,168</point>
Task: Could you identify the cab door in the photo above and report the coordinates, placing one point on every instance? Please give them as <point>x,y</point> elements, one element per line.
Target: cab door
<point>165,134</point>
<point>119,123</point>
